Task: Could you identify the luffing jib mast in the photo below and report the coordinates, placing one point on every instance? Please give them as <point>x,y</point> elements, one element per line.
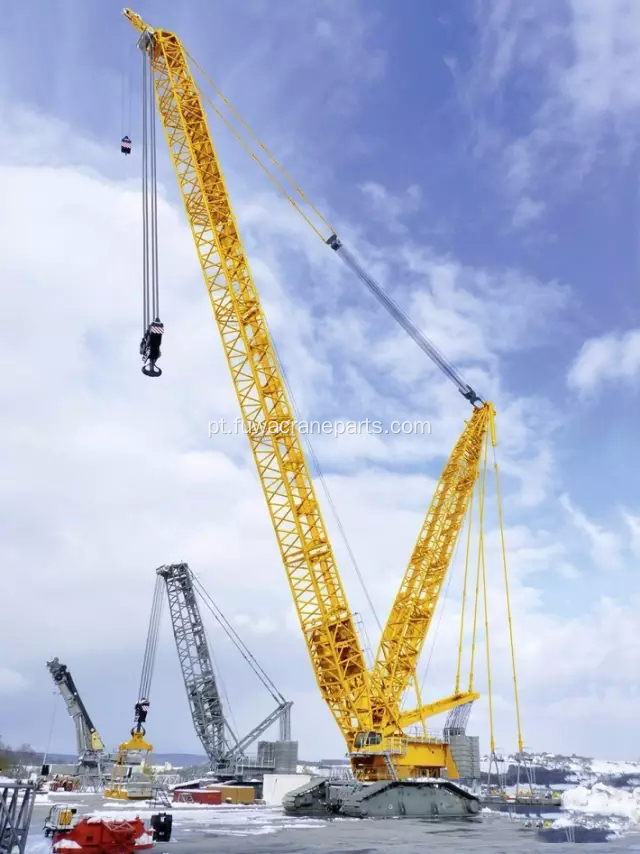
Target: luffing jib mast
<point>366,706</point>
<point>89,744</point>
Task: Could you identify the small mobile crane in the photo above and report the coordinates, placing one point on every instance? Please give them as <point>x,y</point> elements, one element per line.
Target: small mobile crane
<point>92,756</point>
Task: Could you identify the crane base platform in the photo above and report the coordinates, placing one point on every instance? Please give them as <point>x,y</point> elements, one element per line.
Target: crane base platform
<point>433,799</point>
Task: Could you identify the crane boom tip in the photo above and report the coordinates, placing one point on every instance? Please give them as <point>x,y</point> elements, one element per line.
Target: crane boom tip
<point>136,20</point>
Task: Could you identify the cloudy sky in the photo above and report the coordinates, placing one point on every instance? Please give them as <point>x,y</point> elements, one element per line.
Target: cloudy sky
<point>482,162</point>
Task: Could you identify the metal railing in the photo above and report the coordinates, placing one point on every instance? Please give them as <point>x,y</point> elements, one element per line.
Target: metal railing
<point>246,763</point>
<point>16,808</point>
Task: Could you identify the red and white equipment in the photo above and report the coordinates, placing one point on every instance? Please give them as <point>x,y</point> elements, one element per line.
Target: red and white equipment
<point>95,835</point>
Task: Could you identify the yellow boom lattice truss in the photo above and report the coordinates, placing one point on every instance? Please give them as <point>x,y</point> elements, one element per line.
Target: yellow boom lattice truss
<point>410,617</point>
<point>366,706</point>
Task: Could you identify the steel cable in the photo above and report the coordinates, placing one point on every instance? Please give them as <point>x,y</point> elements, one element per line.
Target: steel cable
<point>145,190</point>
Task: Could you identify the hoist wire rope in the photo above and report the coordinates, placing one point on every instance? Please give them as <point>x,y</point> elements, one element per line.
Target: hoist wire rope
<point>237,641</point>
<point>123,87</point>
<point>508,600</point>
<point>267,152</point>
<point>150,266</point>
<point>155,296</point>
<point>474,632</point>
<point>279,186</point>
<point>483,570</point>
<point>228,717</point>
<point>348,257</point>
<point>367,650</point>
<point>443,600</point>
<point>130,88</point>
<point>465,582</point>
<point>51,725</point>
<point>145,193</point>
<point>151,646</point>
<point>127,91</point>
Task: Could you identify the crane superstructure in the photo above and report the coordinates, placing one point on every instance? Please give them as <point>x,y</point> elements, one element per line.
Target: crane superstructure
<point>367,705</point>
<point>90,747</point>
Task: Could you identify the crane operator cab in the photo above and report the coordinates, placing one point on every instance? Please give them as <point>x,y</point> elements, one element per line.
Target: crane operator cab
<point>367,739</point>
<point>150,348</point>
<point>125,145</point>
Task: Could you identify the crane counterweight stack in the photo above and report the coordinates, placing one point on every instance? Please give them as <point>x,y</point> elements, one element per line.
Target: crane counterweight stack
<point>366,705</point>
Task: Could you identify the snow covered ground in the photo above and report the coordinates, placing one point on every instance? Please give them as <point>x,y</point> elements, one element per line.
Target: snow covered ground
<point>190,821</point>
<point>229,820</point>
<point>604,800</point>
<point>596,793</point>
<point>601,807</point>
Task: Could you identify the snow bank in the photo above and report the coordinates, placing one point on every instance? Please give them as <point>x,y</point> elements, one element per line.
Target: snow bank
<point>224,820</point>
<point>600,799</point>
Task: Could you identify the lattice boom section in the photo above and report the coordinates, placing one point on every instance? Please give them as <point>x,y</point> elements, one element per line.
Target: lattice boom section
<point>195,661</point>
<point>410,617</point>
<point>322,608</point>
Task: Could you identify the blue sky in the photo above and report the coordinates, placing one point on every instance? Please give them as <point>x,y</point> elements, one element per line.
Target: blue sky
<point>482,162</point>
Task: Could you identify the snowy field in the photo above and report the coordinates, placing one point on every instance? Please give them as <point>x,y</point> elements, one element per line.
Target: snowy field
<point>190,821</point>
<point>588,804</point>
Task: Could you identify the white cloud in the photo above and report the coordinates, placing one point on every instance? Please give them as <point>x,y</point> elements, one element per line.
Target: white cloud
<point>107,475</point>
<point>11,682</point>
<point>633,524</point>
<point>527,211</point>
<point>578,62</point>
<point>605,546</point>
<point>614,357</point>
<point>389,208</point>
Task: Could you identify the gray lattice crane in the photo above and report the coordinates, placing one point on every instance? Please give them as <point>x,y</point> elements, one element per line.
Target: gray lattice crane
<point>91,751</point>
<point>225,751</point>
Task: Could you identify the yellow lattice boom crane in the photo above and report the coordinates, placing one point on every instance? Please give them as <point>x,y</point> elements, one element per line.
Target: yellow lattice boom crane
<point>367,705</point>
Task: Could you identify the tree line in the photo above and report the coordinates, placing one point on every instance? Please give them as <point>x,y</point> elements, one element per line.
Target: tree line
<point>17,757</point>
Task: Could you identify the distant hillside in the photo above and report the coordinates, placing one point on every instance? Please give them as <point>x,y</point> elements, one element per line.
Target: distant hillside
<point>175,759</point>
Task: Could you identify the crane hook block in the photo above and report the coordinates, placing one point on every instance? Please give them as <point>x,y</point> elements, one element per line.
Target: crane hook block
<point>150,348</point>
<point>125,145</point>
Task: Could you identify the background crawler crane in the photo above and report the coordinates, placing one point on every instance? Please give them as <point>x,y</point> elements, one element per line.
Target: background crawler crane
<point>227,753</point>
<point>367,705</point>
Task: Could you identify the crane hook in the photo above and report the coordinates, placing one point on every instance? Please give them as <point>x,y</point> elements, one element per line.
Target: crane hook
<point>150,348</point>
